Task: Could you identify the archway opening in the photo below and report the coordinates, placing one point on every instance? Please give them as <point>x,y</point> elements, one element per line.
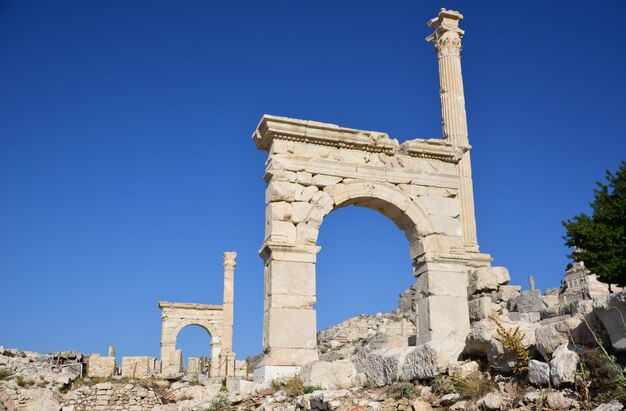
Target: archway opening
<point>363,266</point>
<point>195,342</point>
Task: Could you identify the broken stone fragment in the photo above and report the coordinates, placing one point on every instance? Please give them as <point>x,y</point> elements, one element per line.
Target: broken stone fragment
<point>563,365</point>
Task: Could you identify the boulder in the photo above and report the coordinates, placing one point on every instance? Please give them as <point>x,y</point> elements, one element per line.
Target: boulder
<point>610,406</point>
<point>382,366</point>
<point>611,310</point>
<point>487,279</point>
<point>492,401</point>
<point>556,400</point>
<point>563,365</point>
<point>528,301</point>
<point>430,359</point>
<point>538,372</point>
<point>480,308</point>
<point>463,369</point>
<point>329,375</point>
<point>552,335</point>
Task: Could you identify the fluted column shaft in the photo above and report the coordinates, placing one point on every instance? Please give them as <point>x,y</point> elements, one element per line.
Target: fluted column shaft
<point>229,291</point>
<point>447,41</point>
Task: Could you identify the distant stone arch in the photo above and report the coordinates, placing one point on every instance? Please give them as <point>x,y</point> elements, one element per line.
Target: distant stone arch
<point>175,317</point>
<point>314,168</point>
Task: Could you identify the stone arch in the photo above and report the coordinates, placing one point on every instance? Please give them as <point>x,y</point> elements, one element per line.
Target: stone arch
<point>315,168</point>
<point>175,317</point>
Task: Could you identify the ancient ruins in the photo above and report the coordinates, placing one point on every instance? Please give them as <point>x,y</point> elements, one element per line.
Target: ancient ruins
<point>423,186</point>
<point>461,322</point>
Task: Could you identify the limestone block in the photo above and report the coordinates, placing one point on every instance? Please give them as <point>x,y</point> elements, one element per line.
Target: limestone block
<point>281,191</point>
<point>280,233</point>
<point>611,310</point>
<point>323,201</point>
<point>463,369</point>
<point>430,359</point>
<point>321,180</point>
<point>442,284</point>
<point>435,243</point>
<point>300,211</point>
<point>306,194</point>
<point>506,292</point>
<point>484,279</point>
<point>289,301</point>
<point>440,206</point>
<point>306,234</point>
<point>329,375</point>
<point>382,366</point>
<point>443,316</point>
<point>563,365</point>
<point>551,336</point>
<point>292,278</point>
<point>278,211</point>
<point>446,225</point>
<point>480,308</point>
<point>538,372</point>
<point>610,406</point>
<point>193,365</point>
<point>100,367</point>
<point>304,178</point>
<point>280,175</point>
<point>291,328</point>
<point>138,367</point>
<point>353,156</point>
<point>528,301</point>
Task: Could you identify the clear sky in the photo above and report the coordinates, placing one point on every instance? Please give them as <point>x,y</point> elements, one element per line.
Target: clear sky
<point>127,166</point>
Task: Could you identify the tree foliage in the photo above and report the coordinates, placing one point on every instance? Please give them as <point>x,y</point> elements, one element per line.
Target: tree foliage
<point>599,240</point>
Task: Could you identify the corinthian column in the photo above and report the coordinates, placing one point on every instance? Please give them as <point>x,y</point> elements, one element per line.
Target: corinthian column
<point>447,41</point>
<point>229,279</point>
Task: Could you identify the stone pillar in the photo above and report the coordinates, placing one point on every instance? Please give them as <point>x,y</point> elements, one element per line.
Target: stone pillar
<point>289,326</point>
<point>226,353</point>
<point>229,292</point>
<point>447,41</point>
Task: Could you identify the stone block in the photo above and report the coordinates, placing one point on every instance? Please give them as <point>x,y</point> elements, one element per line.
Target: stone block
<point>442,284</point>
<point>306,194</point>
<point>321,180</point>
<point>193,365</point>
<point>300,211</point>
<point>430,359</point>
<point>480,308</point>
<point>440,206</point>
<point>278,211</point>
<point>291,328</point>
<point>485,279</point>
<point>563,365</point>
<point>538,372</point>
<point>281,191</point>
<point>280,233</point>
<point>329,375</point>
<point>291,278</point>
<point>442,317</point>
<point>138,367</point>
<point>100,367</point>
<point>306,234</point>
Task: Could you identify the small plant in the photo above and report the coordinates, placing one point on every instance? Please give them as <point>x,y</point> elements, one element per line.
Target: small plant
<point>472,386</point>
<point>402,390</point>
<point>5,373</point>
<point>223,387</point>
<point>220,403</point>
<point>605,377</point>
<point>23,382</point>
<point>307,389</point>
<point>294,386</point>
<point>513,341</point>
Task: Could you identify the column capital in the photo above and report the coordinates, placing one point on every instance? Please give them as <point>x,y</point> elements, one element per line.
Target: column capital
<point>447,35</point>
<point>229,259</point>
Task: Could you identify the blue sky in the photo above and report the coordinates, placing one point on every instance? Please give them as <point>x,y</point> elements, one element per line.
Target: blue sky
<point>127,167</point>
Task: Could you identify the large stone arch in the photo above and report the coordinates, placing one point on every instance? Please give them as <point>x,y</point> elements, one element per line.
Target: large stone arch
<point>314,168</point>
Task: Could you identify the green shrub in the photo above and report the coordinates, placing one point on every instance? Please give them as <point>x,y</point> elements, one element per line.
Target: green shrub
<point>402,390</point>
<point>5,373</point>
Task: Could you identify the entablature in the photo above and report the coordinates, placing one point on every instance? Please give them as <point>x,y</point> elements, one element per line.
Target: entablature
<point>305,131</point>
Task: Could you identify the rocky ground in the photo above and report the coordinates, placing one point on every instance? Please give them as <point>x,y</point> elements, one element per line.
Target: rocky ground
<point>562,350</point>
